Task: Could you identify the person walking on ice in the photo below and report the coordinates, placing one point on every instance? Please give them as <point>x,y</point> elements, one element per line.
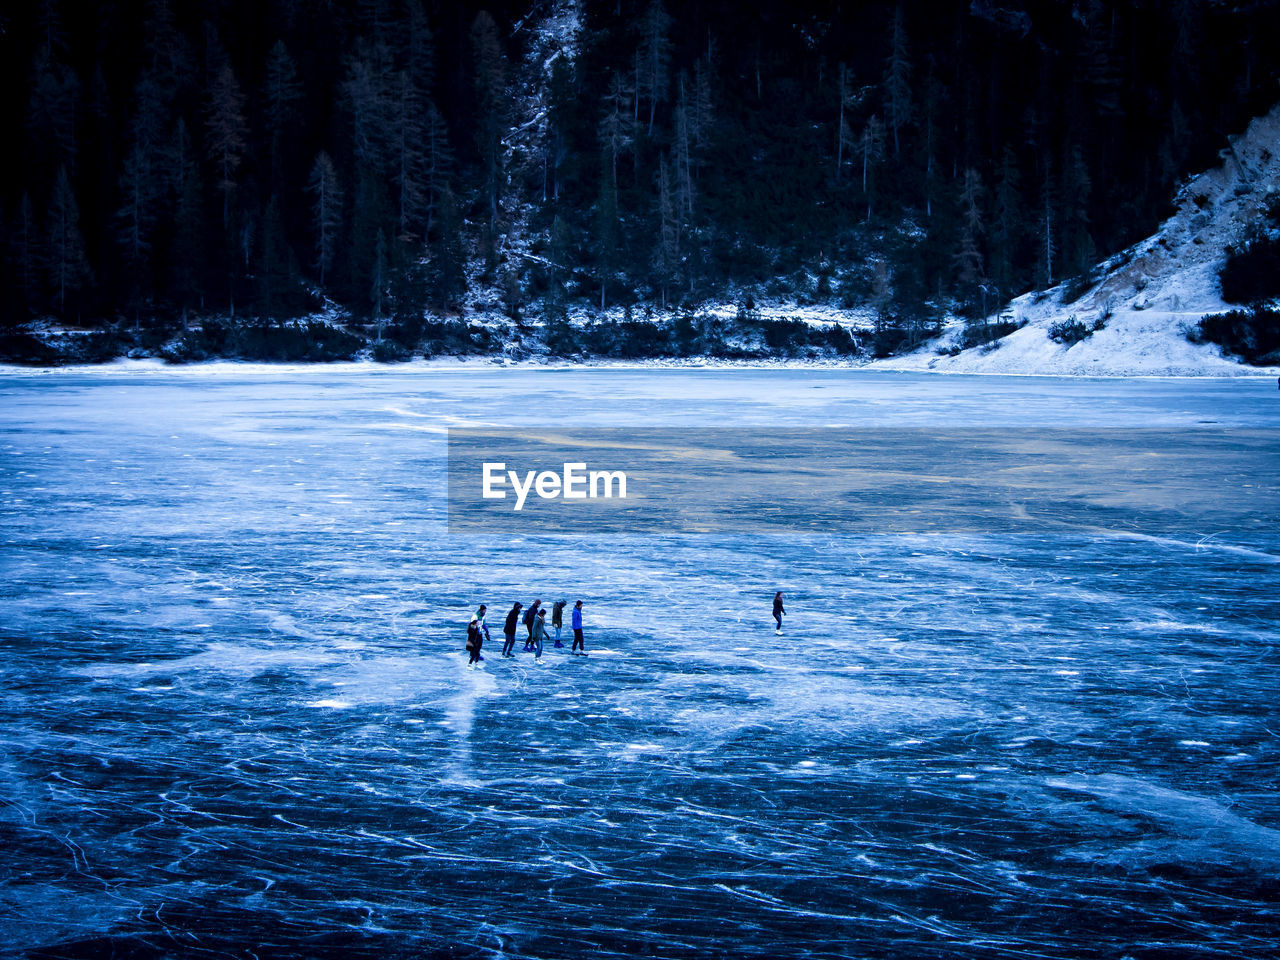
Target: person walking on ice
<point>484,627</point>
<point>576,623</point>
<point>474,641</point>
<point>509,629</point>
<point>539,633</point>
<point>530,615</point>
<point>557,619</point>
<point>778,611</point>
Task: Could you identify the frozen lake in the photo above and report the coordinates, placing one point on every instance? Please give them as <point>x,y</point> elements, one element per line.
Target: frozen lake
<point>237,720</point>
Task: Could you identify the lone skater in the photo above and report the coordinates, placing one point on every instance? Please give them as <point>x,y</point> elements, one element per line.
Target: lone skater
<point>475,639</point>
<point>539,633</point>
<point>557,619</point>
<point>576,622</point>
<point>509,630</point>
<point>778,611</point>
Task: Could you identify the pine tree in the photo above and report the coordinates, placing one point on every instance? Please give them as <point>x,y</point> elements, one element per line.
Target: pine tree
<point>51,105</point>
<point>366,98</point>
<point>561,109</point>
<point>448,261</point>
<point>491,121</point>
<point>228,133</point>
<point>410,156</point>
<point>166,66</point>
<point>667,255</point>
<point>968,258</point>
<point>1007,224</point>
<point>283,91</point>
<point>1048,223</point>
<point>326,209</point>
<point>702,110</point>
<point>849,99</point>
<point>274,273</point>
<point>67,265</point>
<point>378,281</point>
<point>1078,248</point>
<point>26,251</point>
<point>137,216</point>
<point>872,142</point>
<point>188,223</point>
<point>897,80</point>
<point>654,58</point>
<point>606,236</point>
<point>421,53</point>
<point>439,162</point>
<point>614,129</point>
<point>683,158</point>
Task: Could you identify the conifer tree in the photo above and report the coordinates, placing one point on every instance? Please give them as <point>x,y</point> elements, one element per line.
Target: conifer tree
<point>438,162</point>
<point>68,268</point>
<point>188,222</point>
<point>137,215</point>
<point>667,254</point>
<point>326,208</point>
<point>654,59</point>
<point>1048,224</point>
<point>26,247</point>
<point>51,104</point>
<point>448,260</point>
<point>1006,224</point>
<point>897,80</point>
<point>1078,249</point>
<point>969,263</point>
<point>283,92</point>
<point>615,134</point>
<point>872,142</point>
<point>491,121</point>
<point>227,133</point>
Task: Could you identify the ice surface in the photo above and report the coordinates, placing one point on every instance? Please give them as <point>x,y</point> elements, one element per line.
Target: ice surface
<point>237,715</point>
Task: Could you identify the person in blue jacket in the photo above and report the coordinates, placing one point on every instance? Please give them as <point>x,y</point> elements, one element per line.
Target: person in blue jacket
<point>576,623</point>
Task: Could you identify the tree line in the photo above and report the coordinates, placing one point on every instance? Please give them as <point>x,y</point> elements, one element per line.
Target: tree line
<point>389,161</point>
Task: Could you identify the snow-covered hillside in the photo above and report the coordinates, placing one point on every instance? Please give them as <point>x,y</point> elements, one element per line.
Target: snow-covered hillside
<point>1150,295</point>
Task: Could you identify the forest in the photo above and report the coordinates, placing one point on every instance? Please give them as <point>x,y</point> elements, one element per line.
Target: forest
<point>308,178</point>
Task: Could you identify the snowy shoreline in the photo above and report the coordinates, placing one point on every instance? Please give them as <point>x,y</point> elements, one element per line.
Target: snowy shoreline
<point>893,365</point>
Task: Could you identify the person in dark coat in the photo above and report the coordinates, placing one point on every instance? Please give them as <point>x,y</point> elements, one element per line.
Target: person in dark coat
<point>557,619</point>
<point>530,615</point>
<point>509,630</point>
<point>474,641</point>
<point>539,633</point>
<point>778,611</point>
<point>576,622</point>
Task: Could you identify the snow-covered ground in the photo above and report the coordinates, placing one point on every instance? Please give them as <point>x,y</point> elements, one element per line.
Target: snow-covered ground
<point>237,717</point>
<point>1149,295</point>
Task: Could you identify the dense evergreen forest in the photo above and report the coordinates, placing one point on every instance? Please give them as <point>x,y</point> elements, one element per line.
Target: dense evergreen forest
<point>402,164</point>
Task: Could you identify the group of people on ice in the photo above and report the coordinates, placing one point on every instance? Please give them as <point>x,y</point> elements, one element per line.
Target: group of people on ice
<point>535,623</point>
